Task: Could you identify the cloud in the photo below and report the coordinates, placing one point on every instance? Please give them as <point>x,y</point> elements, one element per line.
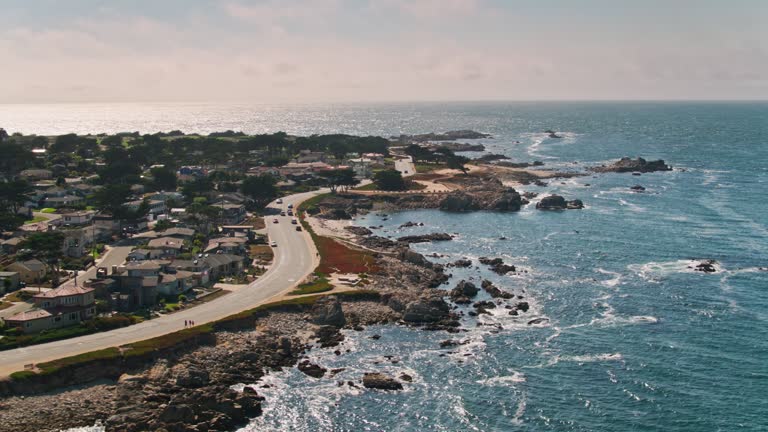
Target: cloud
<point>430,8</point>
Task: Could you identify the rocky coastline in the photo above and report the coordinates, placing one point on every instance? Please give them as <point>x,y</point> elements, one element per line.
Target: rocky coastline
<point>190,389</point>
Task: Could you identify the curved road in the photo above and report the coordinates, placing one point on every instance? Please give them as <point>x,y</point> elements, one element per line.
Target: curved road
<point>295,258</point>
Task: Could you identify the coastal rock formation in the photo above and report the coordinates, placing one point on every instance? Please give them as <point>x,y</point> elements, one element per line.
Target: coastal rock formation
<point>463,262</point>
<point>495,291</point>
<point>491,157</point>
<point>497,265</point>
<point>358,230</point>
<point>425,238</point>
<point>460,147</point>
<point>447,136</point>
<point>626,164</point>
<point>556,202</point>
<point>410,224</point>
<point>429,309</point>
<point>637,188</point>
<point>520,164</point>
<point>312,369</point>
<point>706,266</point>
<point>377,242</point>
<point>463,292</point>
<point>327,311</point>
<point>377,380</point>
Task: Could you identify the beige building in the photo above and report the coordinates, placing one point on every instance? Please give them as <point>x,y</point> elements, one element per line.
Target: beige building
<point>32,271</point>
<point>61,307</point>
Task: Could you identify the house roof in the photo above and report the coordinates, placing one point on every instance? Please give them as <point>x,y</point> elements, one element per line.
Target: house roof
<point>182,232</point>
<point>7,273</point>
<point>31,265</point>
<point>166,243</point>
<point>64,291</point>
<point>30,315</point>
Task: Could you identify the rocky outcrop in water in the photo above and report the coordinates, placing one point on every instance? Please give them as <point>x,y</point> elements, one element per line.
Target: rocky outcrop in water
<point>706,266</point>
<point>556,202</point>
<point>425,238</point>
<point>463,292</point>
<point>428,309</point>
<point>410,224</point>
<point>626,164</point>
<point>377,380</point>
<point>311,369</point>
<point>497,265</point>
<point>495,291</point>
<point>447,136</point>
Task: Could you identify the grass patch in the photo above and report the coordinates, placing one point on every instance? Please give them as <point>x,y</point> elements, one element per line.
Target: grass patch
<point>5,305</point>
<point>19,296</point>
<point>425,168</point>
<point>36,219</point>
<point>368,187</point>
<point>319,285</point>
<point>48,210</point>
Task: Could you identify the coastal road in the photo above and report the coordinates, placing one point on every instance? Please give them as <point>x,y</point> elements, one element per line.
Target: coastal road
<point>405,165</point>
<point>295,258</point>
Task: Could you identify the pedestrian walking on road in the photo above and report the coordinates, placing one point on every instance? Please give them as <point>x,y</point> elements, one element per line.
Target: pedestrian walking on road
<point>185,323</point>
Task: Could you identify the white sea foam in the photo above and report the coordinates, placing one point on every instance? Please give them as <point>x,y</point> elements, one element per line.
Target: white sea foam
<point>515,378</point>
<point>590,358</point>
<point>610,283</point>
<point>655,271</point>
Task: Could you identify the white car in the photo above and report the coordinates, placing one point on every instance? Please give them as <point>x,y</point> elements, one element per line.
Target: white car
<point>279,201</point>
<point>273,243</point>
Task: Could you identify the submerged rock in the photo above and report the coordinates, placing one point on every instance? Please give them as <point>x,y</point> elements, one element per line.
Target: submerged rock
<point>312,369</point>
<point>556,202</point>
<point>494,291</point>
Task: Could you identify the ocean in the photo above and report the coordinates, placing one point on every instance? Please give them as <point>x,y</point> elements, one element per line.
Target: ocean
<point>633,340</point>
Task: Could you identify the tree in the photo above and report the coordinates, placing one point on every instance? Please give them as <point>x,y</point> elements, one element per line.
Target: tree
<point>457,162</point>
<point>199,186</point>
<point>47,247</point>
<point>112,198</point>
<point>163,225</point>
<point>261,188</point>
<point>13,194</point>
<point>390,180</point>
<point>339,177</point>
<point>14,158</point>
<point>163,179</point>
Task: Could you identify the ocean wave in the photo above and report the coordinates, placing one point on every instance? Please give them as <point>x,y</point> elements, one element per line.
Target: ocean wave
<point>515,378</point>
<point>591,358</point>
<point>655,271</point>
<point>610,283</point>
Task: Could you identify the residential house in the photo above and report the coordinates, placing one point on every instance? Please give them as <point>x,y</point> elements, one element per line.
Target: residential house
<point>232,214</point>
<point>307,156</point>
<point>31,271</point>
<point>261,170</point>
<point>77,217</point>
<point>9,281</point>
<point>361,167</point>
<point>293,168</point>
<point>61,307</point>
<point>63,201</point>
<point>228,245</point>
<point>36,174</point>
<point>177,282</point>
<point>168,246</point>
<point>11,245</point>
<point>179,233</point>
<point>140,255</point>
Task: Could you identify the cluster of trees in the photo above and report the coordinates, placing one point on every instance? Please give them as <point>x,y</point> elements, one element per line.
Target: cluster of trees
<point>439,155</point>
<point>339,179</point>
<point>13,194</point>
<point>389,180</point>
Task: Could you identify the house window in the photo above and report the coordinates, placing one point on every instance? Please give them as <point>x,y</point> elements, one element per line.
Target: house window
<point>28,324</point>
<point>57,319</point>
<point>72,316</point>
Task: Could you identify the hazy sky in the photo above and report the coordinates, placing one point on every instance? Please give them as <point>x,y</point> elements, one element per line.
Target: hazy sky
<point>381,50</point>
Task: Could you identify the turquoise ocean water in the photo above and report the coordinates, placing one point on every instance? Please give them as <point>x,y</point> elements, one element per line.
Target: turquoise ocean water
<point>635,340</point>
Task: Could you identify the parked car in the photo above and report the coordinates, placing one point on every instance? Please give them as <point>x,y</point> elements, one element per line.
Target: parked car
<point>290,206</point>
<point>279,201</point>
<point>290,212</point>
<point>282,213</point>
<point>273,243</point>
<point>298,227</point>
<point>294,221</point>
<point>275,221</point>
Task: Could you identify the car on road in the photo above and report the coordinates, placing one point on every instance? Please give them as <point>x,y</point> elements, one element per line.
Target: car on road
<point>290,206</point>
<point>282,213</point>
<point>294,221</point>
<point>273,243</point>
<point>298,227</point>
<point>279,201</point>
<point>275,221</point>
<point>290,212</point>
